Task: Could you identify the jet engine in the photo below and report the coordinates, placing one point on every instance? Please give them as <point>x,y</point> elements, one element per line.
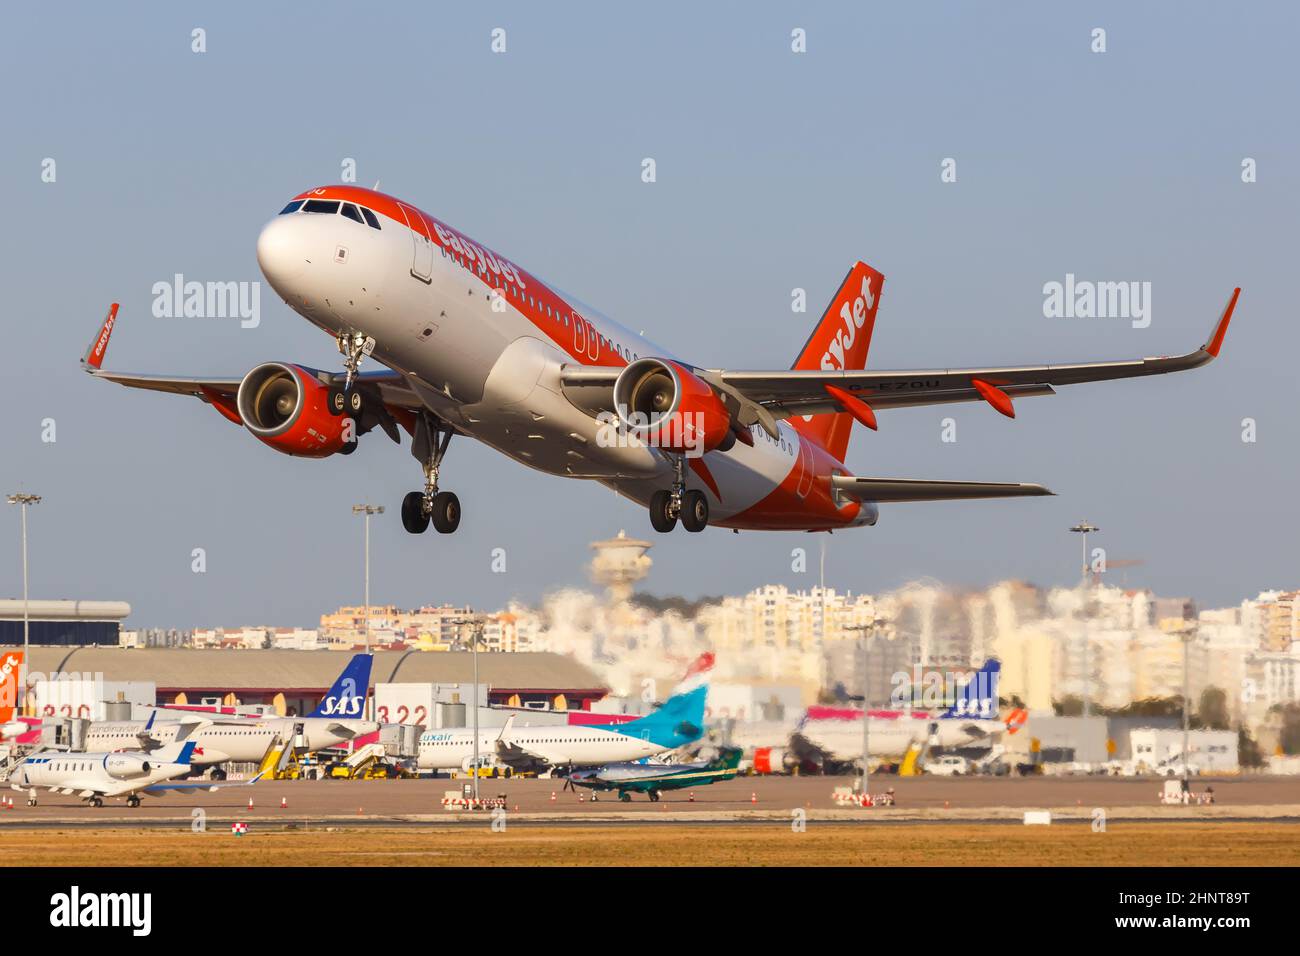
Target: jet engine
<point>126,766</point>
<point>669,406</point>
<point>288,409</point>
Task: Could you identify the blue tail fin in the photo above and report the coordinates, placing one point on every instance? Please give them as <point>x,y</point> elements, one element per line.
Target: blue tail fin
<point>347,698</point>
<point>187,752</point>
<point>979,697</point>
<point>678,722</point>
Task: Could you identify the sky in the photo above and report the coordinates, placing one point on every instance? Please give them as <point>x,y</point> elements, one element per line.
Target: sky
<point>775,170</point>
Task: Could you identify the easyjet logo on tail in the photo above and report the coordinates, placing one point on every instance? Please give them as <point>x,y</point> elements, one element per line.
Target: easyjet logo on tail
<point>840,353</point>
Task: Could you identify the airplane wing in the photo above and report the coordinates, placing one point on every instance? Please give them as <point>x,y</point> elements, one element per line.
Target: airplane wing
<point>765,395</point>
<point>162,788</point>
<point>917,489</point>
<point>219,391</point>
<point>518,757</point>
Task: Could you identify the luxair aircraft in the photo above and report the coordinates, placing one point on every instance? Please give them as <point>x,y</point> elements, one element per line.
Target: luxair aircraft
<point>473,344</point>
<point>678,722</point>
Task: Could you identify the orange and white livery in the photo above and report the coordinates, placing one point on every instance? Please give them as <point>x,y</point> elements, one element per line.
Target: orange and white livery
<point>470,343</point>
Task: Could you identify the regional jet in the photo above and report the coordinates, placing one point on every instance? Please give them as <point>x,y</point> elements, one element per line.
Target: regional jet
<point>471,344</point>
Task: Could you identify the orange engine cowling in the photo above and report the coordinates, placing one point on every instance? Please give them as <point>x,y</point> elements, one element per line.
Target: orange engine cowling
<point>288,408</point>
<point>669,406</point>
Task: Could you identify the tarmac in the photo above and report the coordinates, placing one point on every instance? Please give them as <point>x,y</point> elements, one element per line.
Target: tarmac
<point>744,800</point>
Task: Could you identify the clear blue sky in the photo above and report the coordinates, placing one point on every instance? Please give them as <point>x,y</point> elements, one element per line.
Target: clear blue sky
<point>775,171</point>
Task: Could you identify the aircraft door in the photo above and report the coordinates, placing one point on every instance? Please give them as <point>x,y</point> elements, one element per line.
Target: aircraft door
<point>422,263</point>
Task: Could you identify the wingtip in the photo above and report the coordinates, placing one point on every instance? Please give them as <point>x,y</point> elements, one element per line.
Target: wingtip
<point>1221,329</point>
<point>93,360</point>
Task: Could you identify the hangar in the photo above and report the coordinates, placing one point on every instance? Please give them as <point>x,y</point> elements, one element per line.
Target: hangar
<point>292,682</point>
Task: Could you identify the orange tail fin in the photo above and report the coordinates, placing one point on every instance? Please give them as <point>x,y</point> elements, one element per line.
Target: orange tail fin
<point>841,340</point>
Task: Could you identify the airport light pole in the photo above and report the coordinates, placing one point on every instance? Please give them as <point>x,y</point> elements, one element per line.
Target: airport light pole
<point>1084,528</point>
<point>476,633</point>
<point>1186,634</point>
<point>23,499</point>
<point>367,510</point>
<point>866,631</point>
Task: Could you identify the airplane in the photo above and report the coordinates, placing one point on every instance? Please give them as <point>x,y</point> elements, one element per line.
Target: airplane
<point>835,738</point>
<point>96,775</point>
<point>472,344</point>
<point>678,722</point>
<point>247,739</point>
<point>652,778</point>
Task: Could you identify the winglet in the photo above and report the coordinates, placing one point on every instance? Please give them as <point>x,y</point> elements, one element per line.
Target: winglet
<point>505,729</point>
<point>1220,330</point>
<point>94,357</point>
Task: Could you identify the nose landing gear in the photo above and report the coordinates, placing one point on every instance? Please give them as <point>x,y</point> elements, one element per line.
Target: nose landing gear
<point>419,508</point>
<point>666,507</point>
<point>354,346</point>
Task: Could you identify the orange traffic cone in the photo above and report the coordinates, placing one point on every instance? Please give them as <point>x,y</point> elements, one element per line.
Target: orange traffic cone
<point>552,796</point>
<point>692,796</point>
<point>753,798</point>
<point>284,802</point>
<point>250,803</point>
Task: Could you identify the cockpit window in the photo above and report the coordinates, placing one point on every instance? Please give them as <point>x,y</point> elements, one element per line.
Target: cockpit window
<point>292,207</point>
<point>330,206</point>
<point>371,219</point>
<point>350,211</point>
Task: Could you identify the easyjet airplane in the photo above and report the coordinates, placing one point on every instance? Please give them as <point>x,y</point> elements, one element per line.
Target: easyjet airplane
<point>474,345</point>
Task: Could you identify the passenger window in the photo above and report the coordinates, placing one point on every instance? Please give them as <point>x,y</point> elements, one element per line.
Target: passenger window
<point>351,212</point>
<point>292,207</point>
<point>321,205</point>
<point>371,219</point>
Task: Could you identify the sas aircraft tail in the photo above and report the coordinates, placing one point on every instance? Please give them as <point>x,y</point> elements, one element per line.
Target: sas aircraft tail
<point>978,698</point>
<point>840,342</point>
<point>347,696</point>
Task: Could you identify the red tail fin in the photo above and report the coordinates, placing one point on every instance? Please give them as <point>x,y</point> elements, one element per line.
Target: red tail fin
<point>841,341</point>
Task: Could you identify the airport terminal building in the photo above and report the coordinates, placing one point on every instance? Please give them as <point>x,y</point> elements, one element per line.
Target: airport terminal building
<point>293,682</point>
<point>62,623</point>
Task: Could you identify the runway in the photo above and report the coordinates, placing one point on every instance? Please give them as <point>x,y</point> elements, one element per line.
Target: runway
<point>745,800</point>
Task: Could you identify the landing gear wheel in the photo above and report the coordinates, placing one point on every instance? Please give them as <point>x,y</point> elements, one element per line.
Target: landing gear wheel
<point>96,801</point>
<point>338,401</point>
<point>446,512</point>
<point>133,801</point>
<point>625,796</point>
<point>218,773</point>
<point>695,511</point>
<point>414,520</point>
<point>661,517</point>
<point>355,402</point>
<point>654,796</point>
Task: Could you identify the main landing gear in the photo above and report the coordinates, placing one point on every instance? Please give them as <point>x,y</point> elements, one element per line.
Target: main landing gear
<point>419,508</point>
<point>666,507</point>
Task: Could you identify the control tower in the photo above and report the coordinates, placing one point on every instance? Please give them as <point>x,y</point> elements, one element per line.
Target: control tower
<point>620,563</point>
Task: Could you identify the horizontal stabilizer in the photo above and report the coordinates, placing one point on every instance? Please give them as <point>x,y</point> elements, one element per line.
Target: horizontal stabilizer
<point>919,489</point>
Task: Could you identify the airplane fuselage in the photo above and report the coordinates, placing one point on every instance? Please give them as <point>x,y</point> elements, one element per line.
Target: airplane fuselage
<point>482,342</point>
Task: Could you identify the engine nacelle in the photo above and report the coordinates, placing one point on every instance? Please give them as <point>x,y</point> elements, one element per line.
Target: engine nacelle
<point>669,406</point>
<point>288,409</point>
<point>126,766</point>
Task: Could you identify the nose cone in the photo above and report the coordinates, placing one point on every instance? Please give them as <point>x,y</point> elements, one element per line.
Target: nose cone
<point>281,252</point>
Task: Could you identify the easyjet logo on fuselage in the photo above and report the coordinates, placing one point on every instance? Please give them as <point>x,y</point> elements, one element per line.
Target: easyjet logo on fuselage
<point>486,260</point>
<point>854,316</point>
